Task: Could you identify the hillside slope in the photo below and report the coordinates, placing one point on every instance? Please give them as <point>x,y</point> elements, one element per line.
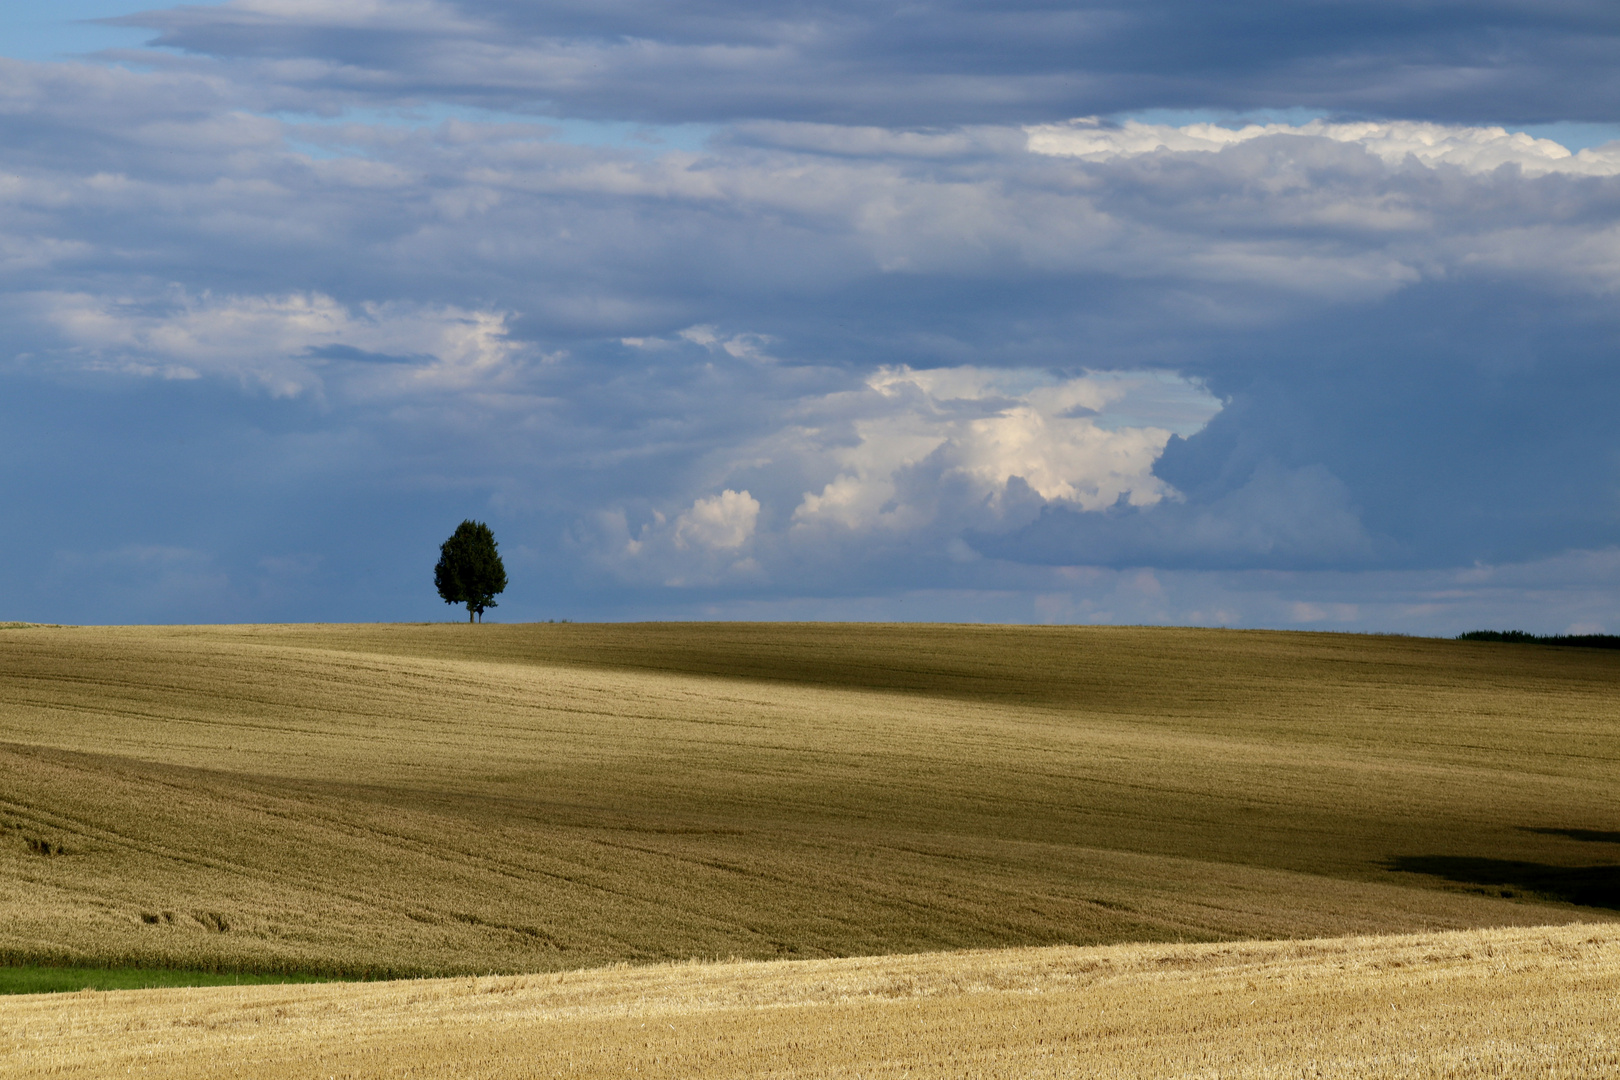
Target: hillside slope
<point>442,799</point>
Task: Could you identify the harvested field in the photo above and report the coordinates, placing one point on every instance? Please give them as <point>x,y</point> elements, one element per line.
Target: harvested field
<point>1505,1003</point>
<point>448,799</point>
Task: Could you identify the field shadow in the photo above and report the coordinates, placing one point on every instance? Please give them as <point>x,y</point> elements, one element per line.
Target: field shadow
<point>1588,886</point>
<point>1590,836</point>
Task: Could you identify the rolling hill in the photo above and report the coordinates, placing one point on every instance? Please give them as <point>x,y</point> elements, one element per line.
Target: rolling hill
<point>444,799</point>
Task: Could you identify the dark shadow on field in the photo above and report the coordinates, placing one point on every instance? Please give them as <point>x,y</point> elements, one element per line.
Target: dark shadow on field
<point>1588,886</point>
<point>1590,836</point>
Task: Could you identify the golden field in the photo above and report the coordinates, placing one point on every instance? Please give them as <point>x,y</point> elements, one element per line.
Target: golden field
<point>1462,1004</point>
<point>453,799</point>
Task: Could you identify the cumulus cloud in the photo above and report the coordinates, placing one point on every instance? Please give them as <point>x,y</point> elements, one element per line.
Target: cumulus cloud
<point>840,485</point>
<point>720,523</point>
<point>976,431</point>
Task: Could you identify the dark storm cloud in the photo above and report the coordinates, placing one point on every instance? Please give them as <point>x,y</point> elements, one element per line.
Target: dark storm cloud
<point>925,64</point>
<point>1451,423</point>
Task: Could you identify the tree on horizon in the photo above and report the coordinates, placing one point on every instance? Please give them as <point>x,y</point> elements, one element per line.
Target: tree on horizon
<point>470,570</point>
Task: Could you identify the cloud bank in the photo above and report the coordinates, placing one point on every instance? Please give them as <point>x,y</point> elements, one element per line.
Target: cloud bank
<point>914,64</point>
<point>882,331</point>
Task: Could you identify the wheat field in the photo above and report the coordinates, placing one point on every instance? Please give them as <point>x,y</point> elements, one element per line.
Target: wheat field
<point>1461,1004</point>
<point>443,799</point>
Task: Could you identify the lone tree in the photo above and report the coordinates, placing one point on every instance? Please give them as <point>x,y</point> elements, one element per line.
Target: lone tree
<point>470,570</point>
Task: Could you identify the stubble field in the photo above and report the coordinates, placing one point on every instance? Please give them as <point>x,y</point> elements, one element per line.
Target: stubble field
<point>451,800</point>
<point>1492,1003</point>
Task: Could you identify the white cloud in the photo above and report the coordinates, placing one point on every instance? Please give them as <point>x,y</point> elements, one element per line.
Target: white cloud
<point>908,461</point>
<point>1473,149</point>
<point>703,545</point>
<point>281,342</point>
<point>723,522</point>
<point>976,430</point>
<point>737,346</point>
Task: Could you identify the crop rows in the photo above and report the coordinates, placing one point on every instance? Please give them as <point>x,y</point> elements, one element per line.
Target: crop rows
<point>438,800</point>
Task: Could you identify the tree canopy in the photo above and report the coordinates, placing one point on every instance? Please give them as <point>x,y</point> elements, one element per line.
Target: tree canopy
<point>470,570</point>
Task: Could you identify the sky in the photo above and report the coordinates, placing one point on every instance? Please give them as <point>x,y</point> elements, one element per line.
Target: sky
<point>1285,314</point>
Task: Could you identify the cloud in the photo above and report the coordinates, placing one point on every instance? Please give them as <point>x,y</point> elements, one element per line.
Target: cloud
<point>913,65</point>
<point>1474,150</point>
<point>1577,592</point>
<point>994,437</point>
<point>1280,518</point>
<point>833,490</point>
<point>279,343</point>
<point>283,284</point>
<point>720,523</point>
<point>1361,310</point>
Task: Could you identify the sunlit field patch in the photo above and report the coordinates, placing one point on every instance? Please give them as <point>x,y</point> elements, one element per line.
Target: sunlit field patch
<point>1521,1002</point>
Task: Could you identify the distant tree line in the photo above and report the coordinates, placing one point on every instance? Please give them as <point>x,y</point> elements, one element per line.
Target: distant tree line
<point>1582,641</point>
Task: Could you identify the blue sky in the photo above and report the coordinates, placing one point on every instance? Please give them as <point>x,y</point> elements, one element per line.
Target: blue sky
<point>1034,312</point>
<point>65,29</point>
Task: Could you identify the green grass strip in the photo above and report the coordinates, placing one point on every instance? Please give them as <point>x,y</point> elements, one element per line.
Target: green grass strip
<point>59,980</point>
